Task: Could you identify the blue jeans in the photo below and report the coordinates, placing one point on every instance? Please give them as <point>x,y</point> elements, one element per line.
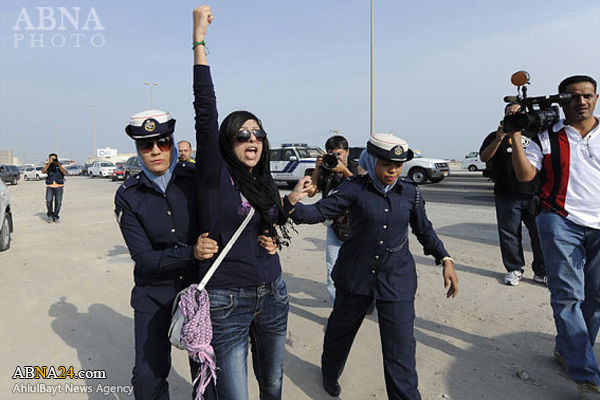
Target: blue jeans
<point>258,314</point>
<point>573,265</point>
<point>53,201</point>
<point>511,210</point>
<point>332,248</point>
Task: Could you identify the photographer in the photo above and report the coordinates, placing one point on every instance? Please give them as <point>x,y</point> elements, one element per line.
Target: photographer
<point>567,158</point>
<point>512,199</point>
<point>55,182</point>
<point>331,170</point>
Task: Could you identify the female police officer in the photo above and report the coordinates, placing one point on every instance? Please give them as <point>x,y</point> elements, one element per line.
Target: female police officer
<point>375,262</point>
<point>157,211</point>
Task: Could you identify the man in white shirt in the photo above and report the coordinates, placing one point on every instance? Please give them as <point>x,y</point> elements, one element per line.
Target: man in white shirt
<point>567,158</point>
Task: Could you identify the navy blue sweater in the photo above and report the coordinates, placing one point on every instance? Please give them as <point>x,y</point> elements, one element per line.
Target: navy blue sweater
<point>247,263</point>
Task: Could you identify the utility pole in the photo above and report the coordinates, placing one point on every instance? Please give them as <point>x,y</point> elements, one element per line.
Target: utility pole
<point>152,85</point>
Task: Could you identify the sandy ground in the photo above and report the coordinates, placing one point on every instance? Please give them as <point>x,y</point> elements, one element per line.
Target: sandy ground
<point>65,289</point>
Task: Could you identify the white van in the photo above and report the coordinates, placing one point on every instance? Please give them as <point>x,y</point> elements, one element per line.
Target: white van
<point>472,162</point>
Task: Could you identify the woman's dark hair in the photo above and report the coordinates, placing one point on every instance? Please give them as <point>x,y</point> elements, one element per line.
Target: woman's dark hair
<point>229,128</point>
<point>258,186</point>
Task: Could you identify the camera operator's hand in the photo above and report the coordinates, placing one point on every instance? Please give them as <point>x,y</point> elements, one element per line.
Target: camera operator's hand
<point>319,162</point>
<point>500,134</point>
<point>342,169</point>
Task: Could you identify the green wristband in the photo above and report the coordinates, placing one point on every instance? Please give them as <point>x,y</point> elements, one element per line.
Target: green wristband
<point>201,43</point>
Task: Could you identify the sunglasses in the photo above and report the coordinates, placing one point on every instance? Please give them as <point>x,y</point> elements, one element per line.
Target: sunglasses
<point>244,136</point>
<point>146,146</point>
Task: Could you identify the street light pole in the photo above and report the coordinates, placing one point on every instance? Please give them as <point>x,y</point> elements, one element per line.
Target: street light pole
<point>151,84</point>
<point>93,107</point>
<point>57,149</point>
<point>372,74</point>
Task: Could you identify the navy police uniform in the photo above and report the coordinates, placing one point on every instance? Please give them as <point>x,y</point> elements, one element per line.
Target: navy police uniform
<point>375,263</point>
<point>160,230</point>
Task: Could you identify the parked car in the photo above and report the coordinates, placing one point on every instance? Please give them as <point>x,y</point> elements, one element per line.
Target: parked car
<point>118,174</point>
<point>472,162</point>
<point>34,173</point>
<point>103,169</point>
<point>132,167</point>
<point>73,170</point>
<point>85,169</point>
<point>292,161</point>
<point>6,220</point>
<point>419,169</point>
<point>10,173</point>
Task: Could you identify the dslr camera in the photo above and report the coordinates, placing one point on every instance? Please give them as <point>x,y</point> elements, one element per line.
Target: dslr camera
<point>330,161</point>
<point>537,114</point>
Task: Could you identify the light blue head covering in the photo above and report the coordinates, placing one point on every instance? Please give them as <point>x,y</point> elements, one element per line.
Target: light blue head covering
<point>368,162</point>
<point>161,181</point>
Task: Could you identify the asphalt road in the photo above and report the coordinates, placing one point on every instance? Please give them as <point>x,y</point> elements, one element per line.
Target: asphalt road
<point>461,188</point>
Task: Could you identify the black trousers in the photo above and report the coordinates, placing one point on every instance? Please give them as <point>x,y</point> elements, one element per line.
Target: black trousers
<point>153,355</point>
<point>396,329</point>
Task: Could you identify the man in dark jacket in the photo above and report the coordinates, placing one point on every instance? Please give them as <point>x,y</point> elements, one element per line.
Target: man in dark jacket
<point>55,183</point>
<point>512,205</point>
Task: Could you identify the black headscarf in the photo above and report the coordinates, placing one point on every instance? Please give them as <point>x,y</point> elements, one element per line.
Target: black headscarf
<point>258,186</point>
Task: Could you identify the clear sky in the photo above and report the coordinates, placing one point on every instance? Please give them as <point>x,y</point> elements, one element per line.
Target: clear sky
<point>442,67</point>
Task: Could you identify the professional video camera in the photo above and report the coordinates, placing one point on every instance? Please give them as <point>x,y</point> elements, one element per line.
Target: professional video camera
<point>330,161</point>
<point>537,113</point>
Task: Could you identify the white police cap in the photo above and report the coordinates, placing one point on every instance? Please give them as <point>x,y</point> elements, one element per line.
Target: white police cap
<point>150,124</point>
<point>386,146</point>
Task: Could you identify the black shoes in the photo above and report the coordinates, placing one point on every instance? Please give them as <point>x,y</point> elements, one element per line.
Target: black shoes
<point>333,388</point>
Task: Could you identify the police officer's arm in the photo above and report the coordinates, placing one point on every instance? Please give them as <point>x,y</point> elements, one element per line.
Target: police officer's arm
<point>202,18</point>
<point>488,152</point>
<point>140,246</point>
<point>432,245</point>
<point>524,170</point>
<point>327,208</point>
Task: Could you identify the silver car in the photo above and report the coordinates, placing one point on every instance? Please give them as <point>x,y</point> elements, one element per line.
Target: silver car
<point>36,173</point>
<point>6,220</point>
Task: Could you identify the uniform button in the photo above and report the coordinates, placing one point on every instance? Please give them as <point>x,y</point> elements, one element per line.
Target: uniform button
<point>181,277</point>
<point>137,177</point>
<point>386,210</point>
<point>377,257</point>
<point>381,242</point>
<point>173,230</point>
<point>168,212</point>
<point>372,271</point>
<point>385,227</point>
<point>176,246</point>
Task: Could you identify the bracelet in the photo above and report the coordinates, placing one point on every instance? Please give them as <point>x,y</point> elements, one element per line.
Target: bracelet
<point>447,259</point>
<point>200,43</point>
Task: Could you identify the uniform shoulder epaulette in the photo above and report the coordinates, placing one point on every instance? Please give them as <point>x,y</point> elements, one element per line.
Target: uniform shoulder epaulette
<point>131,181</point>
<point>408,180</point>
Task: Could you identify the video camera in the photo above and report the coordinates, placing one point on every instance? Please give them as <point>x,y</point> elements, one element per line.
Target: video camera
<point>537,113</point>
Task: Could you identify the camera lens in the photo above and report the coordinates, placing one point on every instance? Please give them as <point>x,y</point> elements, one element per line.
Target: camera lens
<point>330,161</point>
